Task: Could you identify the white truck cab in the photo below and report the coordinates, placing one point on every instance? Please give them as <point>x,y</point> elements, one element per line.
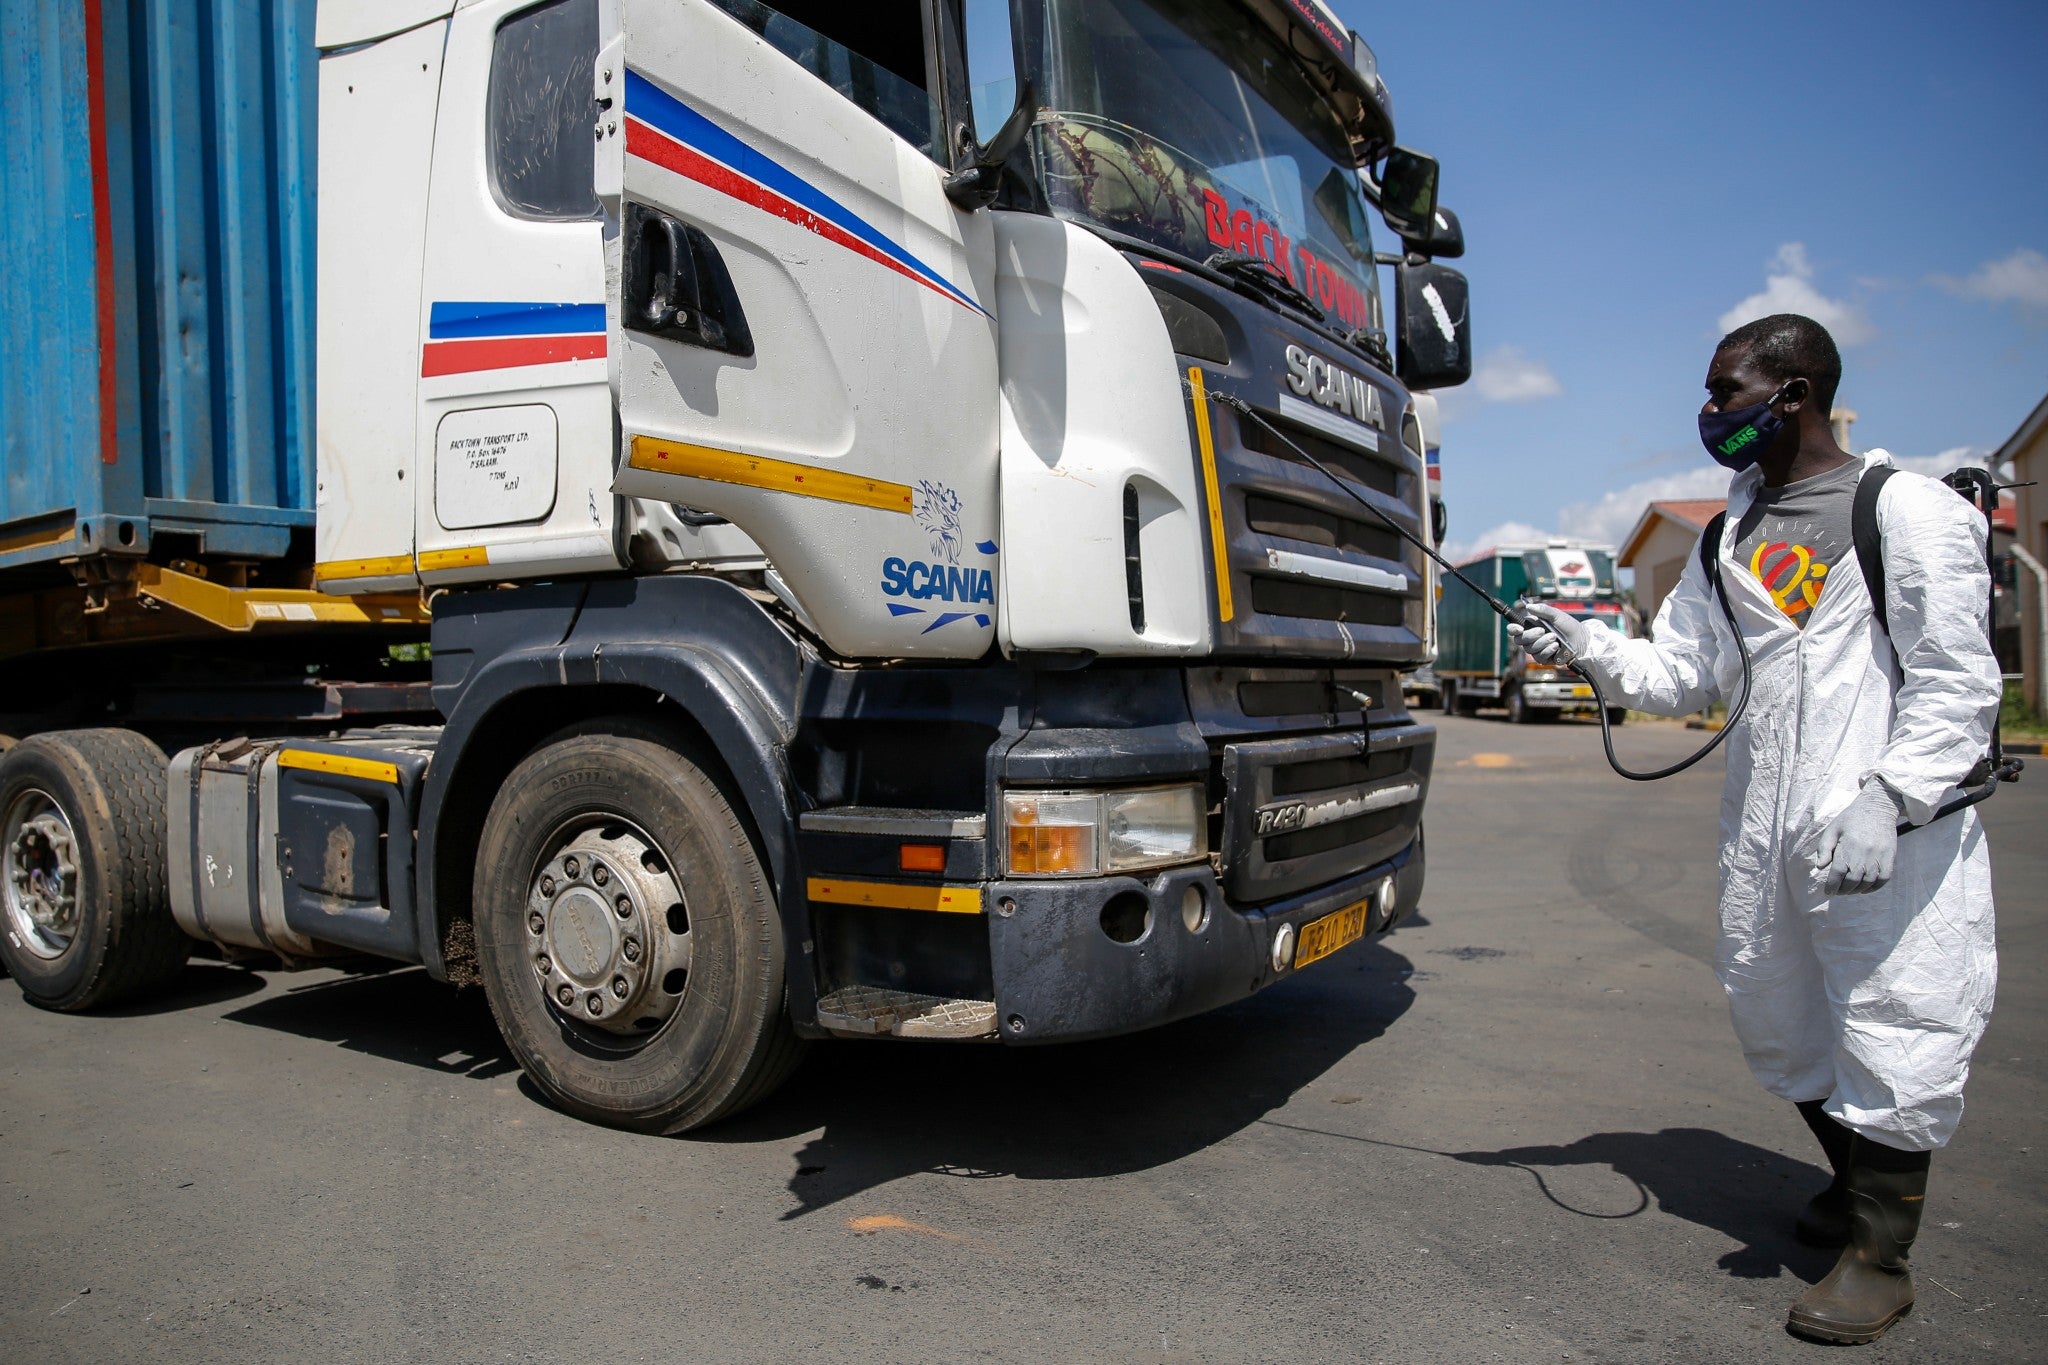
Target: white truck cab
<point>852,614</point>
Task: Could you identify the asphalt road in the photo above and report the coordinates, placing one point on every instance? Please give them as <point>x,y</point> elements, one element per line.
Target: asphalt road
<point>1516,1130</point>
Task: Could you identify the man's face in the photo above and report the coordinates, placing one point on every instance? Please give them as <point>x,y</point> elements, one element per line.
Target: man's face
<point>1732,382</point>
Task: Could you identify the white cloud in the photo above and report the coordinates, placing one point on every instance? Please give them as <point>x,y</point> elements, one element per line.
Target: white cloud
<point>1506,374</point>
<point>1607,519</point>
<point>2020,278</point>
<point>1789,288</point>
<point>1507,533</point>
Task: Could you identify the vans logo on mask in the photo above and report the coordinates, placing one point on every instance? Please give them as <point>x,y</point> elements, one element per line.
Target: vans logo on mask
<point>1738,441</point>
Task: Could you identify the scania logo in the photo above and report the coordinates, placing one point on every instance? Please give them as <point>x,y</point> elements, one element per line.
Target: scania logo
<point>1316,379</point>
<point>1280,819</point>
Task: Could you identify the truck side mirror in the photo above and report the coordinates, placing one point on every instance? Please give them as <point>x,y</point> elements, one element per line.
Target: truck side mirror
<point>975,185</point>
<point>1407,194</point>
<point>1434,320</point>
<point>1446,238</point>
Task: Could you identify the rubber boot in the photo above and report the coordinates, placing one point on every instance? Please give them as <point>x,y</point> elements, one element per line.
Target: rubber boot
<point>1871,1287</point>
<point>1824,1222</point>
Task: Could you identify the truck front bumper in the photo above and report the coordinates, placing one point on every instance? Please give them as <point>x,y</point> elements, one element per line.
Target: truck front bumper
<point>1060,975</point>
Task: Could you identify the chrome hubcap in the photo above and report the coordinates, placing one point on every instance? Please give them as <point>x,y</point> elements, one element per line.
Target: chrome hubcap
<point>41,876</point>
<point>607,931</point>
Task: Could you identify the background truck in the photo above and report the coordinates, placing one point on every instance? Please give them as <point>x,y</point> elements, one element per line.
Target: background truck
<point>1477,666</point>
<point>706,518</point>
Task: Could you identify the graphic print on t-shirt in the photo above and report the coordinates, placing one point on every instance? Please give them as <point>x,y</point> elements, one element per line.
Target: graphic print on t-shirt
<point>1792,573</point>
<point>1793,538</point>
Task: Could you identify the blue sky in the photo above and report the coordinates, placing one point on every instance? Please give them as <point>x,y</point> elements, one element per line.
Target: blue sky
<point>1630,174</point>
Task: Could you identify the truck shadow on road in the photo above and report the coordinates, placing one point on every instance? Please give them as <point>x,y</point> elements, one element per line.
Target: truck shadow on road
<point>400,1014</point>
<point>1075,1111</point>
<point>1747,1193</point>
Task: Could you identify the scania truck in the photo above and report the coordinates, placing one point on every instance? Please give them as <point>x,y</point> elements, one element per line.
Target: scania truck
<point>712,520</point>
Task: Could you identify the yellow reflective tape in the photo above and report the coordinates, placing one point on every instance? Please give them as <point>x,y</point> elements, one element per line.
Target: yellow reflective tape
<point>388,566</point>
<point>466,558</point>
<point>243,609</point>
<point>367,768</point>
<point>1219,547</point>
<point>777,476</point>
<point>955,900</point>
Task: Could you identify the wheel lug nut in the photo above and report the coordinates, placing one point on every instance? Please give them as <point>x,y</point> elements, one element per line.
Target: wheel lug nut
<point>547,886</point>
<point>571,866</point>
<point>631,949</point>
<point>565,995</point>
<point>595,1003</point>
<point>600,874</point>
<point>543,964</point>
<point>536,923</point>
<point>619,987</point>
<point>625,905</point>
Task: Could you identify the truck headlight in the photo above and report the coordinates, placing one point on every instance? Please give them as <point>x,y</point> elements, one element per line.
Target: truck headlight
<point>1088,833</point>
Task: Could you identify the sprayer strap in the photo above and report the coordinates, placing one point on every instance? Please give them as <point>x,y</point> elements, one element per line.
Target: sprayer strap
<point>1710,564</point>
<point>1869,543</point>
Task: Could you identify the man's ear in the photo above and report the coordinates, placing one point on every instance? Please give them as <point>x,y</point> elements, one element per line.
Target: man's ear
<point>1795,393</point>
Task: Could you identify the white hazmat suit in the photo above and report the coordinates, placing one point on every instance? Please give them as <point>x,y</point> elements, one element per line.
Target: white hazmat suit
<point>1873,1001</point>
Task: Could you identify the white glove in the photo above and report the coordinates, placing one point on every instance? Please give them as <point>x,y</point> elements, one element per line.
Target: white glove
<point>1558,636</point>
<point>1856,850</point>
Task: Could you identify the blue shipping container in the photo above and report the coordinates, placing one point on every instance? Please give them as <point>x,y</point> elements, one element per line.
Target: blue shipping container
<point>156,275</point>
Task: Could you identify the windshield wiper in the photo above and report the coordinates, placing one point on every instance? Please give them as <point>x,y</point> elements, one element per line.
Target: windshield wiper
<point>1264,276</point>
<point>1373,341</point>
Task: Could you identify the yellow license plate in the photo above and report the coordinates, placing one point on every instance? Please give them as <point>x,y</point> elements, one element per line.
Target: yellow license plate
<point>1322,937</point>
<point>1582,691</point>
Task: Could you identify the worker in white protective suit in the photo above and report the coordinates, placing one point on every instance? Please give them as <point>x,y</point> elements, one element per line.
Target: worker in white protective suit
<point>1859,962</point>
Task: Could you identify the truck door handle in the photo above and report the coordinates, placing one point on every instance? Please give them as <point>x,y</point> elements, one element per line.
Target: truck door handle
<point>677,285</point>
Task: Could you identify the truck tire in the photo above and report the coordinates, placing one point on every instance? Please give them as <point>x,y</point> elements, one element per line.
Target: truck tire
<point>85,911</point>
<point>1617,715</point>
<point>1448,697</point>
<point>1519,712</point>
<point>628,934</point>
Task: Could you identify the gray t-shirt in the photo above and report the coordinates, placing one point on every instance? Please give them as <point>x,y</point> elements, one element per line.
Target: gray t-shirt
<point>1793,538</point>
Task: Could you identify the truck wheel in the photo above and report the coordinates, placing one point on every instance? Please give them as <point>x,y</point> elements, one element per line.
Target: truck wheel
<point>1617,715</point>
<point>629,939</point>
<point>1448,698</point>
<point>85,914</point>
<point>1518,710</point>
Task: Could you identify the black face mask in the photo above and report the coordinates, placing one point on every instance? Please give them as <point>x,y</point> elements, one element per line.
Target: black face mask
<point>1736,438</point>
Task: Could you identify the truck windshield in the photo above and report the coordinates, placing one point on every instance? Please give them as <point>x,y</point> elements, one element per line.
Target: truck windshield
<point>1188,125</point>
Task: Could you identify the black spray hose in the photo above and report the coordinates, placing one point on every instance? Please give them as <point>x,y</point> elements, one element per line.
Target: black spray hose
<point>1514,615</point>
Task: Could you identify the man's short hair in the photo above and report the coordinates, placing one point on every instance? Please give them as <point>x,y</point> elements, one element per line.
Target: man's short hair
<point>1791,346</point>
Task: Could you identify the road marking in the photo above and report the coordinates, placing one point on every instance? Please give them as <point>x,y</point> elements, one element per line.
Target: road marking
<point>880,1222</point>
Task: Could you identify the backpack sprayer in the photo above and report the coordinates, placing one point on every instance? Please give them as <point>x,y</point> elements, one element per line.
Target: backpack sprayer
<point>1975,486</point>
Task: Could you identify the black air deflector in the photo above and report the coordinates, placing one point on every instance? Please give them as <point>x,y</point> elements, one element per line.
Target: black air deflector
<point>1193,332</point>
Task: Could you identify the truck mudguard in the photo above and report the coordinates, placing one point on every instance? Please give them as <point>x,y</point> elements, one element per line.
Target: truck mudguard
<point>511,667</point>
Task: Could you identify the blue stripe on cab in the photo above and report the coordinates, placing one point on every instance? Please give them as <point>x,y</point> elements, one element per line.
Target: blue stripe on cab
<point>453,321</point>
<point>661,110</point>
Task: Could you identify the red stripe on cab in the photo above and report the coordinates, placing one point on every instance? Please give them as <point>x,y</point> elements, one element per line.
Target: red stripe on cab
<point>651,144</point>
<point>502,353</point>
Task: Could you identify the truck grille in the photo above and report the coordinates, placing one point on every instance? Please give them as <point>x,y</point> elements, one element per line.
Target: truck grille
<point>1303,812</point>
<point>1305,601</point>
